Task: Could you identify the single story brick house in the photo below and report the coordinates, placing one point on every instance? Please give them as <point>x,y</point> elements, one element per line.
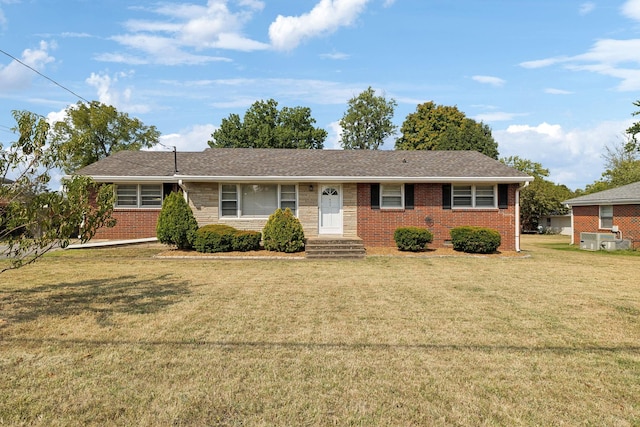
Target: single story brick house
<point>349,193</point>
<point>611,211</point>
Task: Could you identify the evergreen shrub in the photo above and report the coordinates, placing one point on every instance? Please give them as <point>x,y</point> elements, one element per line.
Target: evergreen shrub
<point>214,238</point>
<point>176,223</point>
<point>283,232</point>
<point>244,241</point>
<point>412,239</point>
<point>477,240</point>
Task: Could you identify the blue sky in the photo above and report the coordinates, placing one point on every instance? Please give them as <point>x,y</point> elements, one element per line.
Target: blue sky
<point>555,80</point>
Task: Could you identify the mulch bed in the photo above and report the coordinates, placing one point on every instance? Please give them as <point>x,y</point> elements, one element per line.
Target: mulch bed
<point>374,251</point>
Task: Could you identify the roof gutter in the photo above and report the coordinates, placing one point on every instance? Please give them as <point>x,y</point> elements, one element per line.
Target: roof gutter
<point>360,179</point>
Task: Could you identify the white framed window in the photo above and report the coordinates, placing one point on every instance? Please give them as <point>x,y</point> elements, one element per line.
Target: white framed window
<point>139,195</point>
<point>256,200</point>
<point>473,196</point>
<point>391,196</point>
<point>606,216</point>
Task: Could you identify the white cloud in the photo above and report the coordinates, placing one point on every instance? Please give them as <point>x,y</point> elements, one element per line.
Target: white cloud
<point>15,76</point>
<point>574,157</point>
<point>193,138</point>
<point>609,57</point>
<point>587,8</point>
<point>554,91</point>
<point>108,93</point>
<point>490,80</point>
<point>334,136</point>
<point>541,63</point>
<point>187,28</point>
<point>496,116</point>
<point>287,32</point>
<point>335,56</point>
<point>631,9</point>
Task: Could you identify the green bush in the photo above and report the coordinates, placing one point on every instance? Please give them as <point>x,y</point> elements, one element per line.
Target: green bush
<point>224,238</point>
<point>412,239</point>
<point>244,241</point>
<point>176,223</point>
<point>283,232</point>
<point>214,238</point>
<point>477,240</point>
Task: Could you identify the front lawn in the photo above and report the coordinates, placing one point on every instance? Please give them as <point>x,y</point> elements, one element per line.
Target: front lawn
<point>116,337</point>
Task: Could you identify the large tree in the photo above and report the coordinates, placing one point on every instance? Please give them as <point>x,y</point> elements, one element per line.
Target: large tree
<point>92,131</point>
<point>442,127</point>
<point>541,197</point>
<point>34,220</point>
<point>367,121</point>
<point>264,126</point>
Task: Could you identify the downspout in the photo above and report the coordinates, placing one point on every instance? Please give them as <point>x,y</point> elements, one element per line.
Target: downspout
<point>526,183</point>
<point>185,192</point>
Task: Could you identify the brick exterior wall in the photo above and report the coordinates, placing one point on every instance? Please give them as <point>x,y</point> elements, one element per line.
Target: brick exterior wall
<point>131,224</point>
<point>627,217</point>
<point>376,226</point>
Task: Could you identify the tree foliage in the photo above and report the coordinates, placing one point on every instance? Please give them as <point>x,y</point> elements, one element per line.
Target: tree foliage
<point>33,220</point>
<point>441,127</point>
<point>264,126</point>
<point>622,167</point>
<point>90,132</point>
<point>541,197</point>
<point>367,121</point>
<point>633,144</point>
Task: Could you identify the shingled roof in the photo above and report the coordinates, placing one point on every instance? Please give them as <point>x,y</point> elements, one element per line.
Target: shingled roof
<point>225,164</point>
<point>624,195</point>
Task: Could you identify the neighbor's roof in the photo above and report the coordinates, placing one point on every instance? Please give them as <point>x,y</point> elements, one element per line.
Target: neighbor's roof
<point>626,195</point>
<point>234,164</point>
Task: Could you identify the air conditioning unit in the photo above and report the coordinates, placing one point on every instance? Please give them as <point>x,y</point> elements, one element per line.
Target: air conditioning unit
<point>608,245</point>
<point>596,241</point>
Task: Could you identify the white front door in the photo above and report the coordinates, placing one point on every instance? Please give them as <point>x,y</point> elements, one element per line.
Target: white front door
<point>330,210</point>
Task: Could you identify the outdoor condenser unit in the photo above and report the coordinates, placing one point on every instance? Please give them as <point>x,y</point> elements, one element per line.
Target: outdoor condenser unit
<point>602,241</point>
<point>596,241</point>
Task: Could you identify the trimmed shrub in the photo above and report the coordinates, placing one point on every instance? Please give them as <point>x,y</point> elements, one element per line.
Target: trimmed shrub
<point>477,240</point>
<point>412,239</point>
<point>214,238</point>
<point>176,223</point>
<point>244,241</point>
<point>283,232</point>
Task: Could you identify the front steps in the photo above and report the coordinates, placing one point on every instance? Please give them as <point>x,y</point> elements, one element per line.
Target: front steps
<point>334,248</point>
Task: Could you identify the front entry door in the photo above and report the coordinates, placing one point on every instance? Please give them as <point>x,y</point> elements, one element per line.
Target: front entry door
<point>330,210</point>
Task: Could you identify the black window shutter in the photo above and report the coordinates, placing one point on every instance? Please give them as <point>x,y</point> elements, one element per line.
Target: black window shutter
<point>503,196</point>
<point>375,196</point>
<point>446,196</point>
<point>408,196</point>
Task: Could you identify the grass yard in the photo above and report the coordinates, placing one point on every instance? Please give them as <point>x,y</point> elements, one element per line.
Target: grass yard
<point>116,337</point>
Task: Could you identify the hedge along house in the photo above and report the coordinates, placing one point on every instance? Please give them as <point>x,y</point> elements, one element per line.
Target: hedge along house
<point>349,193</point>
<point>615,211</point>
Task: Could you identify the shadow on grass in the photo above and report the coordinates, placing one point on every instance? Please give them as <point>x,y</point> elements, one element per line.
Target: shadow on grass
<point>101,297</point>
<point>343,346</point>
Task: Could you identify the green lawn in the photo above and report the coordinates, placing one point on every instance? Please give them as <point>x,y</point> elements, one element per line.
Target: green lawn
<point>116,337</point>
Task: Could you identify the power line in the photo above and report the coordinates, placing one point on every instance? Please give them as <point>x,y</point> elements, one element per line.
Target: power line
<point>48,78</point>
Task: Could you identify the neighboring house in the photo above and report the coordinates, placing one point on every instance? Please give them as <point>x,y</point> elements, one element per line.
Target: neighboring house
<point>610,211</point>
<point>556,224</point>
<point>350,193</point>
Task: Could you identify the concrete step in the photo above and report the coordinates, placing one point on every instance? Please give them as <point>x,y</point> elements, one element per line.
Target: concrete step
<point>334,248</point>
